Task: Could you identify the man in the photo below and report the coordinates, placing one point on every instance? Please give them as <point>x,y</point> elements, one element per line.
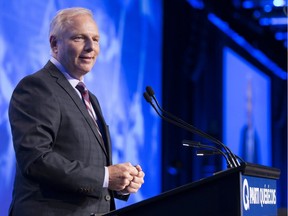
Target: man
<point>61,140</point>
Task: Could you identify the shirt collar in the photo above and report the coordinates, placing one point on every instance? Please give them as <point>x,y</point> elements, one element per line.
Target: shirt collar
<point>73,81</point>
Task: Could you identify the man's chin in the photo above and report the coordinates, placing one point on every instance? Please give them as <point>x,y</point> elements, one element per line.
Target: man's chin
<point>85,70</point>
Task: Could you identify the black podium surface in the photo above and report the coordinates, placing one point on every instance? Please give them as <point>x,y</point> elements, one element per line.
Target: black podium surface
<point>246,190</point>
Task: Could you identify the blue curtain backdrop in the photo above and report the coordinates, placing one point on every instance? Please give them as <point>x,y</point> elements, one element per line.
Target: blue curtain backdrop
<point>130,59</point>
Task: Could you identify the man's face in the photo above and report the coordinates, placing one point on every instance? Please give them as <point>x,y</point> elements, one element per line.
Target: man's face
<point>78,47</point>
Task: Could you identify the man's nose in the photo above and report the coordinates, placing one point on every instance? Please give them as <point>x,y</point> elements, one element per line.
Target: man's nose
<point>90,45</point>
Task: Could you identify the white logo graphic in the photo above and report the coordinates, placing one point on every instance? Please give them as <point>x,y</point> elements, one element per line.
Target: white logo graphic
<point>245,195</point>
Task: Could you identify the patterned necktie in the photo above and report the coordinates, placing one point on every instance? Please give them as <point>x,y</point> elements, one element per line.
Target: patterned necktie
<point>85,96</point>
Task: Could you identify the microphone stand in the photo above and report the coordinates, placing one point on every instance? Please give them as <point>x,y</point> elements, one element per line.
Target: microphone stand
<point>214,150</point>
<point>149,95</point>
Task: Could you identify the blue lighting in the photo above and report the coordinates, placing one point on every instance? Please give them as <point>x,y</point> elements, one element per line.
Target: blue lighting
<point>264,21</point>
<point>257,54</point>
<point>172,171</point>
<point>267,8</point>
<point>280,35</point>
<point>198,4</point>
<point>257,14</point>
<point>279,3</point>
<point>273,21</point>
<point>248,4</point>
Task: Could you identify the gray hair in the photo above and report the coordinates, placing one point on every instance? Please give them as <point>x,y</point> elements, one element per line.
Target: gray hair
<point>63,17</point>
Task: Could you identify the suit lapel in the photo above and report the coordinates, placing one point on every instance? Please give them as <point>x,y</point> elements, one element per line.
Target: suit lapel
<point>64,83</point>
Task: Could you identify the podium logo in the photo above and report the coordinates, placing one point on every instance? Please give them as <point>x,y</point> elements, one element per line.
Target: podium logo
<point>261,196</point>
<point>245,195</point>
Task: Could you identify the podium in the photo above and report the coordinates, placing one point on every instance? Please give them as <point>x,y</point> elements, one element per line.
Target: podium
<point>249,189</point>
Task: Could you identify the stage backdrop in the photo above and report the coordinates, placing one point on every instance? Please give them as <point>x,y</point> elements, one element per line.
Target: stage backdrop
<point>130,59</point>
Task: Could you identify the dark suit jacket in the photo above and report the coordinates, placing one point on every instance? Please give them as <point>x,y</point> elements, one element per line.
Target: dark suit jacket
<point>60,161</point>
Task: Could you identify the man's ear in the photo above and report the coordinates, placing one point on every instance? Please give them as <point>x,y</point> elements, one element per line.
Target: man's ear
<point>53,44</point>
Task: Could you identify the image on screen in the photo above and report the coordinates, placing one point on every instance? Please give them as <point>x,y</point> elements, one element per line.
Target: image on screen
<point>246,109</point>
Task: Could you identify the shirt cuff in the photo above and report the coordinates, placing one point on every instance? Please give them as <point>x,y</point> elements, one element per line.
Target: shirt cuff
<point>122,193</point>
<point>106,178</point>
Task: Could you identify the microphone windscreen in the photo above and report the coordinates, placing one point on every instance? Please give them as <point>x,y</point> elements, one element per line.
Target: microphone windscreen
<point>150,90</point>
<point>147,97</point>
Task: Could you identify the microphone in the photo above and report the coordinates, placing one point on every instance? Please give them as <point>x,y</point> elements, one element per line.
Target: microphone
<point>150,96</point>
<point>206,152</point>
<point>150,101</point>
<point>214,150</point>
